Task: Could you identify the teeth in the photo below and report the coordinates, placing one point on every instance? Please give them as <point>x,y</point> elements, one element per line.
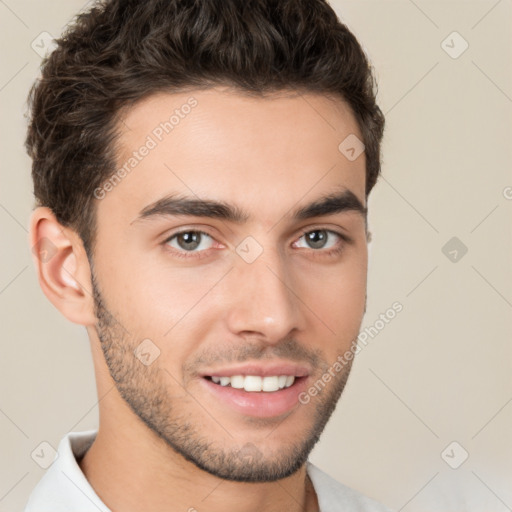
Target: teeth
<point>237,381</point>
<point>254,383</point>
<point>270,383</point>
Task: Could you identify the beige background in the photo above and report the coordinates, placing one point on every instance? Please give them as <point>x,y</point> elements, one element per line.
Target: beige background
<point>439,372</point>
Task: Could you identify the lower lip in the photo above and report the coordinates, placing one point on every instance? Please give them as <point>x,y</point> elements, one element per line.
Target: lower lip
<point>260,404</point>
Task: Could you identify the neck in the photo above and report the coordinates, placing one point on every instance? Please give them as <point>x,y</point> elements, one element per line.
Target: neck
<point>131,470</point>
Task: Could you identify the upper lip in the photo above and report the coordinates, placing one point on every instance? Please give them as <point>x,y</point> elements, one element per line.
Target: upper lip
<point>264,370</point>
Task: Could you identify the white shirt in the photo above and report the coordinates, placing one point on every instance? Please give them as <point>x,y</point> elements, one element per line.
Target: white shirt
<point>64,487</point>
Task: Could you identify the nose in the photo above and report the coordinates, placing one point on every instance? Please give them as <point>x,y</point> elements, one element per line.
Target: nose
<point>263,300</point>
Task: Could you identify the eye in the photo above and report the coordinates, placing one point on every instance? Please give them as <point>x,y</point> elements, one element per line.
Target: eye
<point>189,241</point>
<point>319,239</point>
<point>195,243</point>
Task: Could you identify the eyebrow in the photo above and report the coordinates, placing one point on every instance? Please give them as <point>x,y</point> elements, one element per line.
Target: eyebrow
<point>178,205</point>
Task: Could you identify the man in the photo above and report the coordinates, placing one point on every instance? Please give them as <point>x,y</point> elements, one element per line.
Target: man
<point>201,170</point>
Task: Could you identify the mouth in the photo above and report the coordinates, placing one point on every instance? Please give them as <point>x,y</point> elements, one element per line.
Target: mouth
<point>255,383</point>
<point>257,392</point>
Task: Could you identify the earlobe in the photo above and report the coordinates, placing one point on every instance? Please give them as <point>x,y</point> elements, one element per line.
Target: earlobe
<point>62,267</point>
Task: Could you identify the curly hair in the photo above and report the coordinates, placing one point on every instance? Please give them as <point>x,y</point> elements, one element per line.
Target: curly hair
<point>122,51</point>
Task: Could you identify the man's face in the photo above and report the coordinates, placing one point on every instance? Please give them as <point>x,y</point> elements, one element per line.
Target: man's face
<point>192,325</point>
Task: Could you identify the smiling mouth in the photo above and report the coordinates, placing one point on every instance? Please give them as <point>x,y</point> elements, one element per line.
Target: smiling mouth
<point>255,383</point>
<point>257,392</point>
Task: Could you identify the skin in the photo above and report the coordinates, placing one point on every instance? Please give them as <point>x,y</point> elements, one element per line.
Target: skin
<point>164,444</point>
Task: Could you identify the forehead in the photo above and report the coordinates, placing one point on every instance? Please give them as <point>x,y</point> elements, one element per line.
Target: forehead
<point>219,144</point>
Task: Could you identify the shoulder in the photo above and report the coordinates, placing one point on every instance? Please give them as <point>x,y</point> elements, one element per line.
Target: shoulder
<point>334,496</point>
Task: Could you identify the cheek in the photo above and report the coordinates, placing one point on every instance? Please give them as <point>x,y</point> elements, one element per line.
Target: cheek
<point>337,296</point>
<point>155,292</point>
<point>353,286</point>
<point>341,299</point>
<point>170,305</point>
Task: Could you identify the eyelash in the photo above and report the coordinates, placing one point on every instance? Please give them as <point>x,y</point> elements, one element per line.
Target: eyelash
<point>198,255</point>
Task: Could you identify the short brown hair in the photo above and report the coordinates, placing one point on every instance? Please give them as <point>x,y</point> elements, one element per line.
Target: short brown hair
<point>124,50</point>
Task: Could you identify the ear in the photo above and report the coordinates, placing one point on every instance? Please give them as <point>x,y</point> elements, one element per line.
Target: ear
<point>62,267</point>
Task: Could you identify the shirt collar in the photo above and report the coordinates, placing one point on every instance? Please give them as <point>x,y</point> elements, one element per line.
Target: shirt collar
<point>64,486</point>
